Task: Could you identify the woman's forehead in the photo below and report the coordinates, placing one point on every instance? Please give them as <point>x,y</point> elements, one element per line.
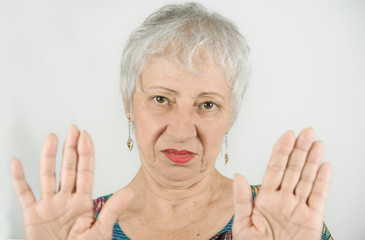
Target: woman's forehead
<point>160,71</point>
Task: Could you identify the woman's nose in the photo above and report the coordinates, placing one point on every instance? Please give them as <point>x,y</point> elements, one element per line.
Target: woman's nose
<point>181,126</point>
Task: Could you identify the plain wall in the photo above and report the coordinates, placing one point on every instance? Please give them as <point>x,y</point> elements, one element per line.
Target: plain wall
<point>59,63</point>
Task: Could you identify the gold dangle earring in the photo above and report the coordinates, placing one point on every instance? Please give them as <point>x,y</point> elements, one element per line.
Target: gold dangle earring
<point>129,141</point>
<point>226,158</point>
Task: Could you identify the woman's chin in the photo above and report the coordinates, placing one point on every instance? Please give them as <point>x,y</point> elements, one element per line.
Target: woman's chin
<point>179,175</point>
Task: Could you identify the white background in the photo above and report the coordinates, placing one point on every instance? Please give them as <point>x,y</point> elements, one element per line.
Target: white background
<point>59,65</point>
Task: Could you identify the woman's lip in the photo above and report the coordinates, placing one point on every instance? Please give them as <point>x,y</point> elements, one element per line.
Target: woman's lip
<point>178,157</point>
<point>177,152</point>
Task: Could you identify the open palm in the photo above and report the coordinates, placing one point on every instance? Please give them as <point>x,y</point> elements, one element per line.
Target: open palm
<point>68,213</point>
<point>291,200</point>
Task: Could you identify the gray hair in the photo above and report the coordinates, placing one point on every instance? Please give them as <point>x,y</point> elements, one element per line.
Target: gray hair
<point>187,34</point>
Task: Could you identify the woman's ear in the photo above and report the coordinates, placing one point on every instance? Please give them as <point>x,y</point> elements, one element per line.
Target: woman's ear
<point>127,110</point>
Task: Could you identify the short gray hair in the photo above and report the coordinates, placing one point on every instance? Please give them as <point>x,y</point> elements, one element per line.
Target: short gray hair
<point>186,34</point>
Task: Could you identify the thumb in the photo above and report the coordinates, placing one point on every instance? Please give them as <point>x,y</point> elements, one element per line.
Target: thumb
<point>113,208</point>
<point>242,200</point>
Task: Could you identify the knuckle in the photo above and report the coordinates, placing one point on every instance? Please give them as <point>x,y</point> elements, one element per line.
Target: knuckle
<point>23,191</point>
<point>85,171</point>
<point>312,164</point>
<point>275,168</point>
<point>307,179</point>
<point>318,194</point>
<point>302,197</point>
<point>48,173</point>
<point>323,180</point>
<point>69,165</point>
<point>294,167</point>
<point>301,150</point>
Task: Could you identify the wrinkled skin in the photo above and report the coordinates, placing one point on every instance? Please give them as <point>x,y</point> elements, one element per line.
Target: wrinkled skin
<point>289,205</point>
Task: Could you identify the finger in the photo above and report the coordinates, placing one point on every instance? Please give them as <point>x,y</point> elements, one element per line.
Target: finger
<point>318,196</point>
<point>69,160</point>
<point>278,161</point>
<point>21,187</point>
<point>297,159</point>
<point>85,169</point>
<point>242,200</point>
<point>309,173</point>
<point>113,208</point>
<point>47,168</point>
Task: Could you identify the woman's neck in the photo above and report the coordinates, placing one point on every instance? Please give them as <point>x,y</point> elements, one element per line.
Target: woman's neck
<point>160,198</point>
<point>194,211</point>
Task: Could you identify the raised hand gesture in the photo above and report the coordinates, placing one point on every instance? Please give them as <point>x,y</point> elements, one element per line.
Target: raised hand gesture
<point>291,200</point>
<point>68,213</point>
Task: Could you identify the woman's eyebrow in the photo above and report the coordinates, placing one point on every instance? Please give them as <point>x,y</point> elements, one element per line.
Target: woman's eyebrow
<point>163,88</point>
<point>203,94</point>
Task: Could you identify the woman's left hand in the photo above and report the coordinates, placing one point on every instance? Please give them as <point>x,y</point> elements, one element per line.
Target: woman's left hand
<point>292,196</point>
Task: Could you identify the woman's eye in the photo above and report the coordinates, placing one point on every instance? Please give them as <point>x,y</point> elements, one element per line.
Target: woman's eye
<point>160,100</point>
<point>209,105</point>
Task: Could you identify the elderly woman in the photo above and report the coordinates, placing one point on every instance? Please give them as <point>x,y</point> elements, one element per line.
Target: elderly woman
<point>183,74</point>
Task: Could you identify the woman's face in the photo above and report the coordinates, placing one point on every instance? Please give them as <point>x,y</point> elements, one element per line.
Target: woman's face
<point>180,120</point>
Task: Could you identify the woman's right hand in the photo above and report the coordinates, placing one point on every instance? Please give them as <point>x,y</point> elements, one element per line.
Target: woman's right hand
<point>68,212</point>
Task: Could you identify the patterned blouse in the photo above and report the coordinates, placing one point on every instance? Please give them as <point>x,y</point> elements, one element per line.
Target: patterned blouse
<point>224,234</point>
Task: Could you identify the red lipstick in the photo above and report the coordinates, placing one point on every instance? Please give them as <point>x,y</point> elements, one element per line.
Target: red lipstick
<point>178,157</point>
